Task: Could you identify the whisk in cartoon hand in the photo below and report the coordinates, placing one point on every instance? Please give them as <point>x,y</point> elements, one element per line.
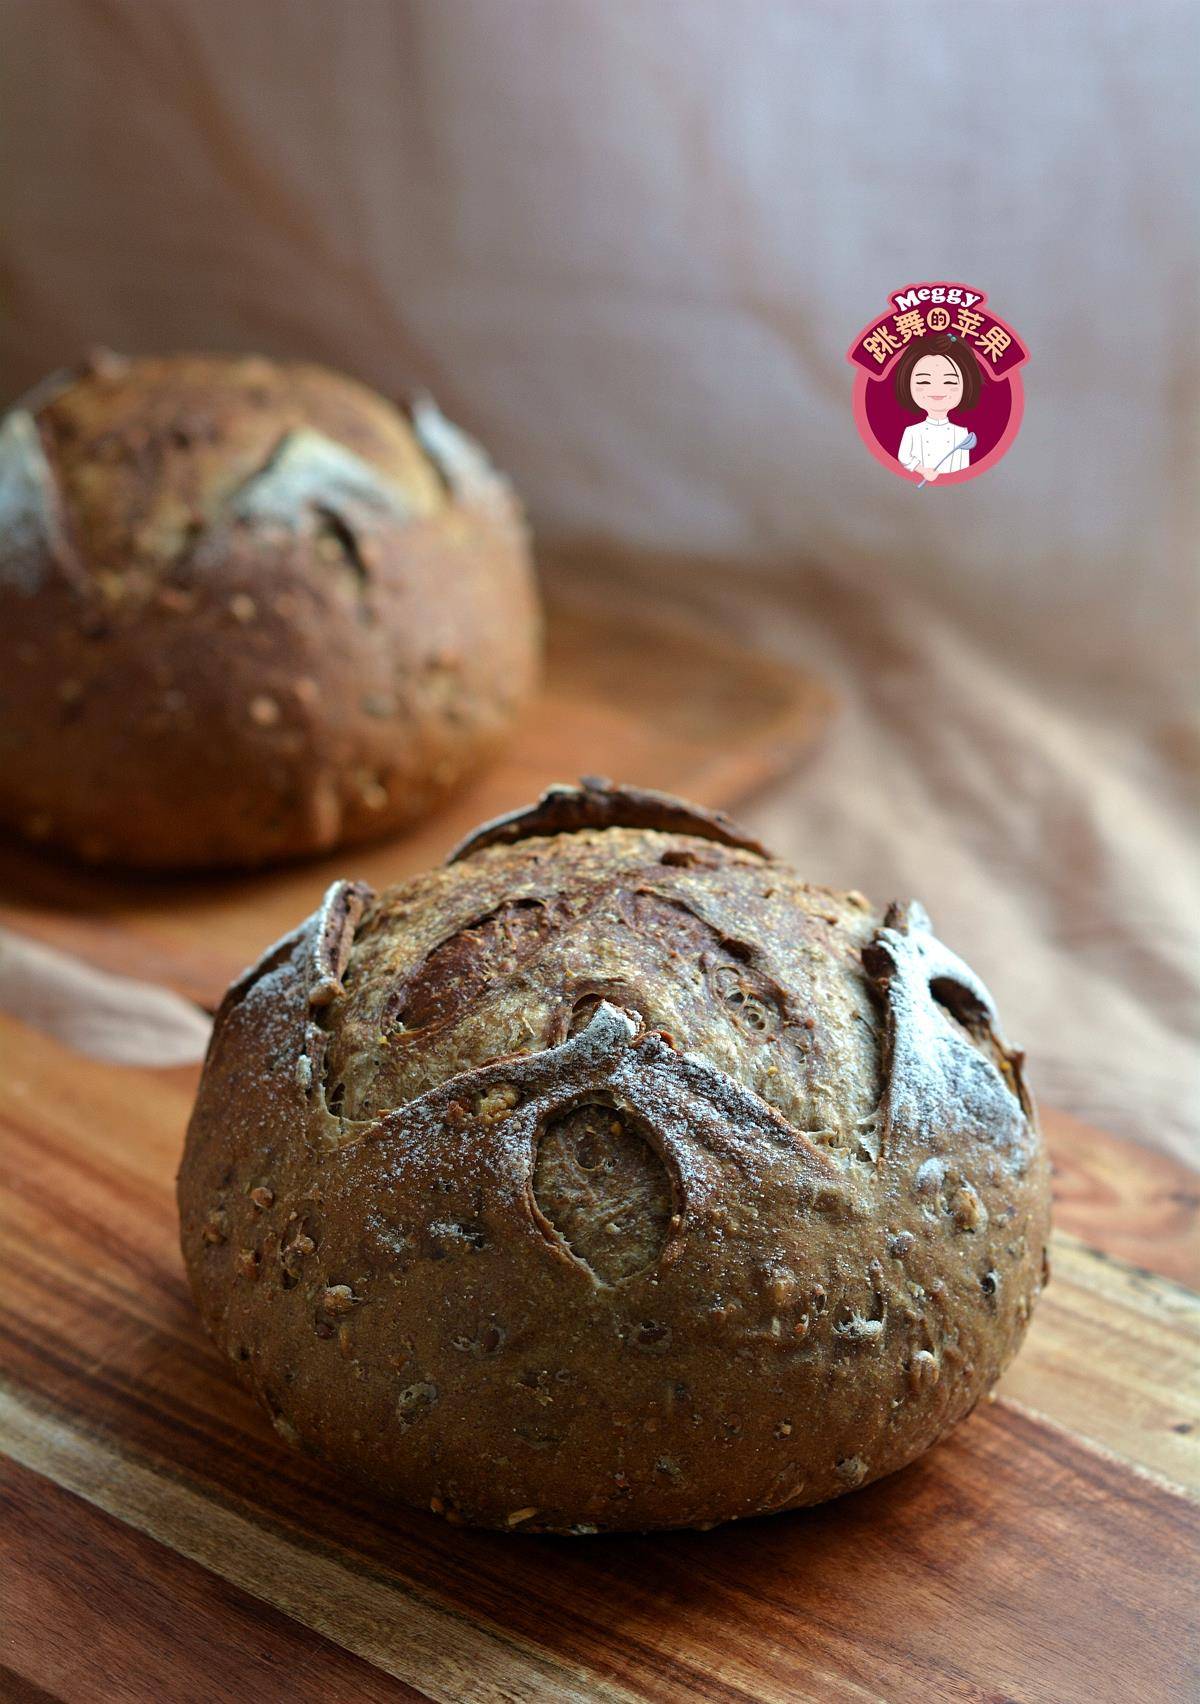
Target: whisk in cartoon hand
<point>968,443</point>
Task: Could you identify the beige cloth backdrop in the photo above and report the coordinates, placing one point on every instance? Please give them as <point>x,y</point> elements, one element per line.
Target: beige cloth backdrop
<point>627,242</point>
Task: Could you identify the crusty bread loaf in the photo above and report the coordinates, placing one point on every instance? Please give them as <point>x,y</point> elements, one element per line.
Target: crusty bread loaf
<point>613,1177</point>
<point>248,611</point>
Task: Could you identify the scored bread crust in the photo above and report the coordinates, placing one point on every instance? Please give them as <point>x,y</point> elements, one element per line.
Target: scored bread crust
<point>613,1178</point>
<point>249,610</point>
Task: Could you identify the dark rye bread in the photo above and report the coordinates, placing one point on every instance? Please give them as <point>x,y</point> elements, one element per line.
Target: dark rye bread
<point>613,1177</point>
<point>249,610</point>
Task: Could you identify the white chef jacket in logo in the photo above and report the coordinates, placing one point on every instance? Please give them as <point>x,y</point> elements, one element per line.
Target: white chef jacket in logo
<point>926,444</point>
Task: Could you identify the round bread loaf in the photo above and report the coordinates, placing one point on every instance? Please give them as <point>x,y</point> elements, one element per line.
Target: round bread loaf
<point>248,611</point>
<point>613,1177</point>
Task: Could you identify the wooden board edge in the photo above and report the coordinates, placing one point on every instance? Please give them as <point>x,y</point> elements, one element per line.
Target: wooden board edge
<point>1112,1361</point>
<point>414,1638</point>
<point>1103,1452</point>
<point>97,1612</point>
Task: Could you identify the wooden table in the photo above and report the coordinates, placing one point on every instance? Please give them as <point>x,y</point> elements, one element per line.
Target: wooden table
<point>161,1543</point>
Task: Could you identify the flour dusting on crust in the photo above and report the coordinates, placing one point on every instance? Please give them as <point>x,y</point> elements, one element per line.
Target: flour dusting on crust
<point>31,531</point>
<point>939,1085</point>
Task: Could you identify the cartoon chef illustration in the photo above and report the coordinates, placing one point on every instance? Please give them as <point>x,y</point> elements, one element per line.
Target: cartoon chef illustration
<point>937,375</point>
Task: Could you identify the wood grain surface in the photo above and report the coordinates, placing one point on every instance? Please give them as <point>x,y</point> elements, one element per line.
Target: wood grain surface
<point>159,1541</point>
<point>73,1568</point>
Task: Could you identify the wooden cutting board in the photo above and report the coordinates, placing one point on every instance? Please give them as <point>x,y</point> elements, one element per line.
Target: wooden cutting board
<point>160,1542</point>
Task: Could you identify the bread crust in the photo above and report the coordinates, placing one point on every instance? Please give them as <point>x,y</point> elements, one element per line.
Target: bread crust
<point>613,1179</point>
<point>249,611</point>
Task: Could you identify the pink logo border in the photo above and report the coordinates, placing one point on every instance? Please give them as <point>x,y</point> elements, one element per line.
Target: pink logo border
<point>863,378</point>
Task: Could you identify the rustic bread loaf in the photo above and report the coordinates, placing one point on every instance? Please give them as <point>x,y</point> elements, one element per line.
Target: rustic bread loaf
<point>248,611</point>
<point>613,1177</point>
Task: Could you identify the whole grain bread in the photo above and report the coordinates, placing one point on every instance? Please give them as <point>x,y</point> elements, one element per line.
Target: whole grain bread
<point>249,610</point>
<point>611,1176</point>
